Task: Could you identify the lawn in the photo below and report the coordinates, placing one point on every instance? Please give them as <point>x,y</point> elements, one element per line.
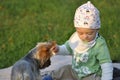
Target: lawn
<point>24,23</point>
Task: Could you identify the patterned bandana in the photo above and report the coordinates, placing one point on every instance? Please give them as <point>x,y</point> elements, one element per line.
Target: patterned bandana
<point>87,16</point>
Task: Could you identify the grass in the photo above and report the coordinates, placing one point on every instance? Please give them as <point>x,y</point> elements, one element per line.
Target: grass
<point>24,23</point>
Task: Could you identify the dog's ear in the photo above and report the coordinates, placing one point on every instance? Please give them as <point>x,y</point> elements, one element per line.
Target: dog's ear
<point>52,43</point>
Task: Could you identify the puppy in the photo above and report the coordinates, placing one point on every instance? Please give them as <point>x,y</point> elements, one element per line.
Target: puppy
<point>28,67</point>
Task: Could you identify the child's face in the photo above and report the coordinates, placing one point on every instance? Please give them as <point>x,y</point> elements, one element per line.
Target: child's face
<point>86,34</point>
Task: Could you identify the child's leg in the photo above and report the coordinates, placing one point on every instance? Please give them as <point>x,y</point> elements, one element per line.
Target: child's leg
<point>92,77</point>
<point>64,73</point>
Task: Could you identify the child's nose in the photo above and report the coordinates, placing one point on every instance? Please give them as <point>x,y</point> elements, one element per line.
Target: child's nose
<point>85,36</point>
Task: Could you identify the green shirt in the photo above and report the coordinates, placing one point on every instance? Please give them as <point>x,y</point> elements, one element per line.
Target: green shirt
<point>89,62</point>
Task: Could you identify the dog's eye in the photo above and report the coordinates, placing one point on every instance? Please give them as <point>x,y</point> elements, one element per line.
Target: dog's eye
<point>47,50</point>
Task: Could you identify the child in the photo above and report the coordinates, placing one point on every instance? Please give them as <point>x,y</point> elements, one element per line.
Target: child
<point>91,59</point>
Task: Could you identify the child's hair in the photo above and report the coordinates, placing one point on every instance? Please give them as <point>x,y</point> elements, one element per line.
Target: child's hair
<point>87,16</point>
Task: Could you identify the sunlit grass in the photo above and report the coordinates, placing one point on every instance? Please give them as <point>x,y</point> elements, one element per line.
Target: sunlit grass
<point>25,23</point>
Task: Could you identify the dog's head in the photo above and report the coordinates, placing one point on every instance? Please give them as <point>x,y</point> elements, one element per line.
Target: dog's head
<point>44,52</point>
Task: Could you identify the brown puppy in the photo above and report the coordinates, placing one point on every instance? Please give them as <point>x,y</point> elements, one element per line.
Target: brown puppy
<point>28,67</point>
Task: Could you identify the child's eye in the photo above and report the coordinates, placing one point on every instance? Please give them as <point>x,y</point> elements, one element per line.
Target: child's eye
<point>80,33</point>
<point>89,33</point>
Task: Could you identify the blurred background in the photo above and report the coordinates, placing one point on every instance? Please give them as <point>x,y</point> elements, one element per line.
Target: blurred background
<point>24,23</point>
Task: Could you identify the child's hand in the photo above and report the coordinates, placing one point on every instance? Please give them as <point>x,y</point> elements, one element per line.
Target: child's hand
<point>55,49</point>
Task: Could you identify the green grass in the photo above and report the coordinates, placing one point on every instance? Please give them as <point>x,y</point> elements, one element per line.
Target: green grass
<point>24,23</point>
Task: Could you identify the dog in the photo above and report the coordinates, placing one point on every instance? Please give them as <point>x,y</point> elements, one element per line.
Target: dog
<point>27,68</point>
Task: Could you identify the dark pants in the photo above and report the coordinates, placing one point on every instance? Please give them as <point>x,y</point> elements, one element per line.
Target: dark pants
<point>67,73</point>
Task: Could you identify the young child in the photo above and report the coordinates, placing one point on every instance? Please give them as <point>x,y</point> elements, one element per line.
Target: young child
<point>91,59</point>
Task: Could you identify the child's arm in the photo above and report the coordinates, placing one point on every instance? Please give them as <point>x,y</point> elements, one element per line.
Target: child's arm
<point>107,71</point>
<point>60,50</point>
<point>63,50</point>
